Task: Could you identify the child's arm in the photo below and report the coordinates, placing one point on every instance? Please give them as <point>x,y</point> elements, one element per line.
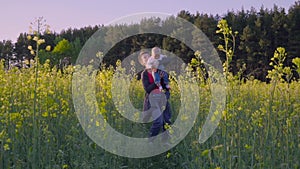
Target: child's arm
<point>156,77</point>
<point>165,60</point>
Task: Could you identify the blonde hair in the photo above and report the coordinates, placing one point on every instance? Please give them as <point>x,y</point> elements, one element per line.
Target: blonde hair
<point>141,59</point>
<point>152,63</point>
<point>155,51</point>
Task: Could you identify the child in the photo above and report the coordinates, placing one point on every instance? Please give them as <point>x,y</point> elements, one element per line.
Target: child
<point>156,54</point>
<point>158,74</point>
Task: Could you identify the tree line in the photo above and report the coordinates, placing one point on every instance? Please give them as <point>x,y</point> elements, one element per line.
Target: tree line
<point>260,32</point>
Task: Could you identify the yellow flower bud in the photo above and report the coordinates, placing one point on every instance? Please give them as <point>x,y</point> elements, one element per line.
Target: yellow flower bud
<point>30,47</point>
<point>99,54</point>
<point>40,41</point>
<point>197,53</point>
<point>48,48</point>
<point>220,47</point>
<point>6,147</point>
<point>28,37</point>
<point>35,38</point>
<point>168,155</point>
<point>48,31</point>
<point>32,52</point>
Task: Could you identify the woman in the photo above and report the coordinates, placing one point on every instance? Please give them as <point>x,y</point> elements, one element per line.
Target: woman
<point>142,58</point>
<point>149,87</point>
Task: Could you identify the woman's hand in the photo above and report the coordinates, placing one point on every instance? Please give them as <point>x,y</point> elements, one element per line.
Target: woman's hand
<point>154,70</point>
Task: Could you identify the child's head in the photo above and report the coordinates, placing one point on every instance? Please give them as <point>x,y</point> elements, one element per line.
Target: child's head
<point>155,52</point>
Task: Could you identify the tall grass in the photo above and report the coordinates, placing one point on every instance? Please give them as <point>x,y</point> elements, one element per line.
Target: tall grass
<point>262,125</point>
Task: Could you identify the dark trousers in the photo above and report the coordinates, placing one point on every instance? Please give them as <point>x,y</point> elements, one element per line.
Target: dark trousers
<point>159,123</point>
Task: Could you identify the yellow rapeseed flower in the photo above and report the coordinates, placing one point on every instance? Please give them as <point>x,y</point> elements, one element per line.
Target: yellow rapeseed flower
<point>48,48</point>
<point>168,155</point>
<point>6,147</point>
<point>41,41</point>
<point>65,166</point>
<point>35,38</point>
<point>30,47</point>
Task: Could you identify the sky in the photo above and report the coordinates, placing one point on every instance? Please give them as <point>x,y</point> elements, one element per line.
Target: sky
<point>16,15</point>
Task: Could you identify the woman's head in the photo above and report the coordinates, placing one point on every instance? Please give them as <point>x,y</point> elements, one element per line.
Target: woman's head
<point>143,58</point>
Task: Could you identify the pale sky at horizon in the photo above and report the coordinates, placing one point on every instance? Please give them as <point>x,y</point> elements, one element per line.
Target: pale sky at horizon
<point>16,15</point>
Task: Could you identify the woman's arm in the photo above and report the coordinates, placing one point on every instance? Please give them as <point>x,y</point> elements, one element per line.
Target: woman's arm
<point>146,84</point>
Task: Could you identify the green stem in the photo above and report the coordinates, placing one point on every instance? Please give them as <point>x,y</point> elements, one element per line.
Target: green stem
<point>35,119</point>
<point>253,148</point>
<point>269,132</point>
